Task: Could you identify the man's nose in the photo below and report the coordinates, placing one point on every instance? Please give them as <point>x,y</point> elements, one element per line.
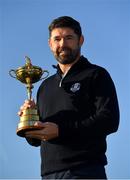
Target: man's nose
<point>62,42</point>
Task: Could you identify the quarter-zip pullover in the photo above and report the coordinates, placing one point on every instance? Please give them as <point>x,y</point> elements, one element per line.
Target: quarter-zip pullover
<point>84,106</point>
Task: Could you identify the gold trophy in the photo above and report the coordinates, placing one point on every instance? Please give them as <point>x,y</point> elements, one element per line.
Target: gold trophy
<point>28,75</point>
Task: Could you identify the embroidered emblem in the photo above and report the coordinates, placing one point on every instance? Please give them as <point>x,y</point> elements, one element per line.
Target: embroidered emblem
<point>75,87</point>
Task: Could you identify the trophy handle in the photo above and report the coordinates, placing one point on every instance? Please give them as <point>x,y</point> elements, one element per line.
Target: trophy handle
<point>12,73</point>
<point>47,74</point>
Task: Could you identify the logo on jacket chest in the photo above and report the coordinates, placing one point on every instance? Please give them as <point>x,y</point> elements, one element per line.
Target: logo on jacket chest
<point>75,87</point>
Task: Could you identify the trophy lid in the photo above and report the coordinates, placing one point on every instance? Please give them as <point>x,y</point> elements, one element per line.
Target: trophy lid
<point>28,74</point>
<point>28,71</point>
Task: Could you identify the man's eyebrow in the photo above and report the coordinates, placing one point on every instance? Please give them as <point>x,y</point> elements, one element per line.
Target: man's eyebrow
<point>70,35</point>
<point>58,36</point>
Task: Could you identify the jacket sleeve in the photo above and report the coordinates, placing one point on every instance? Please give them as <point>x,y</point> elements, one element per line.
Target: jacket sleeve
<point>104,119</point>
<point>33,142</point>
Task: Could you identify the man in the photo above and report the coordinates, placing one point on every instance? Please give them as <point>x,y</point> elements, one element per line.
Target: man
<point>78,108</point>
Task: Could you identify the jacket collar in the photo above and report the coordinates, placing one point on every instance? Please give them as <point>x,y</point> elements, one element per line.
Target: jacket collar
<point>78,66</point>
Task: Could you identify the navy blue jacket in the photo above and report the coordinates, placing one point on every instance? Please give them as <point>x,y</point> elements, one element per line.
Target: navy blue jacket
<point>85,107</point>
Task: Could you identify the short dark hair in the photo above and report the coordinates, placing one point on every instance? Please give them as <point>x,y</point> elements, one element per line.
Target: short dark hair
<point>65,21</point>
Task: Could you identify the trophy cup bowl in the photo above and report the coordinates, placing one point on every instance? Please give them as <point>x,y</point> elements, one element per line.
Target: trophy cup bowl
<point>28,74</point>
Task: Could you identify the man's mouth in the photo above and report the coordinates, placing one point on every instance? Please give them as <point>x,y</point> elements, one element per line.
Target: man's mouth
<point>64,52</point>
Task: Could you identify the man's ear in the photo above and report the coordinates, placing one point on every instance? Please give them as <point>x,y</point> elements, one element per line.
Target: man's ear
<point>81,40</point>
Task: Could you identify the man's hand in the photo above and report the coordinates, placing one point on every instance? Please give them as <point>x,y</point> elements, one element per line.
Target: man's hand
<point>48,131</point>
<point>27,104</point>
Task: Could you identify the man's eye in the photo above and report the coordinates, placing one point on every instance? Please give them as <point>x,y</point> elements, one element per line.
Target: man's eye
<point>57,39</point>
<point>69,38</point>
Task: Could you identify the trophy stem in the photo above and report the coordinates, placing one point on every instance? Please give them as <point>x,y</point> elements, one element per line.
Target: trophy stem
<point>29,91</point>
<point>29,87</point>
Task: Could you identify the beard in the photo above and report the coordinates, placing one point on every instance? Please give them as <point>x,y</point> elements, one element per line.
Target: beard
<point>66,55</point>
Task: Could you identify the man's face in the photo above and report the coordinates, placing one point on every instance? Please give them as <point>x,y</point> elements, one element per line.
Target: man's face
<point>65,45</point>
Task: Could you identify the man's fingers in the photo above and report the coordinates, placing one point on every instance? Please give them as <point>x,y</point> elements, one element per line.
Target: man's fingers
<point>27,104</point>
<point>34,132</point>
<point>39,124</point>
<point>30,103</point>
<point>20,113</point>
<point>37,134</point>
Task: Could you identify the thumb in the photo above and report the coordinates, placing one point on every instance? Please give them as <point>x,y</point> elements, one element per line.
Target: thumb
<point>39,124</point>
